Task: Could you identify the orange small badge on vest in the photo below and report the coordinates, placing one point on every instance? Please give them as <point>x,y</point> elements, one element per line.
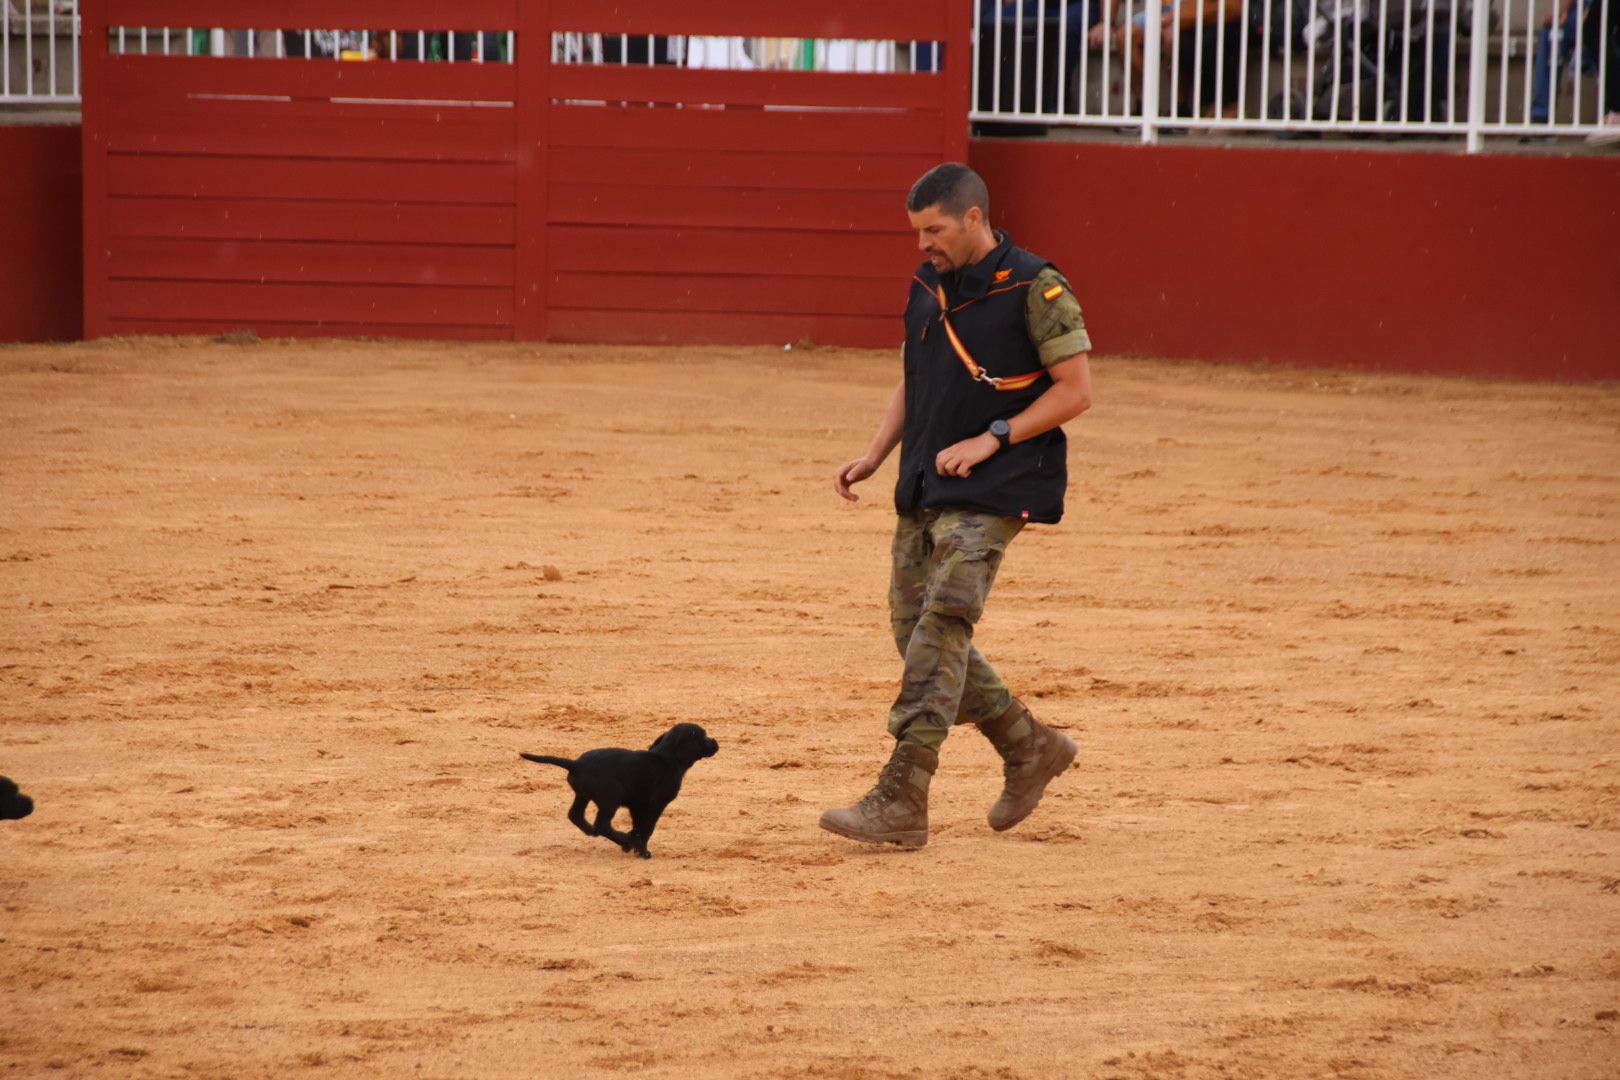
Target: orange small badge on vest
<point>1052,294</point>
<point>1002,275</point>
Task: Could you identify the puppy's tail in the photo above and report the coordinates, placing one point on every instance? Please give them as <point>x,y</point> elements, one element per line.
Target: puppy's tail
<point>547,760</point>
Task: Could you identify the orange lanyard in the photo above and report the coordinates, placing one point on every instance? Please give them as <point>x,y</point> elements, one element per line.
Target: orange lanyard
<point>1014,382</point>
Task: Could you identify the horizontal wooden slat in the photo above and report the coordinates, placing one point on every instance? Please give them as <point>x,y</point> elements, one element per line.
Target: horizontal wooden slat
<point>687,168</point>
<point>179,76</point>
<point>720,251</point>
<point>274,219</point>
<point>401,305</point>
<point>270,328</point>
<point>729,293</point>
<point>314,129</point>
<point>316,14</point>
<point>188,176</point>
<point>896,20</point>
<point>624,204</point>
<point>280,261</point>
<point>678,328</point>
<point>749,129</point>
<point>664,83</point>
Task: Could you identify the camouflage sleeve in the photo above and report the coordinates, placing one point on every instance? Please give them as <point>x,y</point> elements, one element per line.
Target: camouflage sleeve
<point>1053,317</point>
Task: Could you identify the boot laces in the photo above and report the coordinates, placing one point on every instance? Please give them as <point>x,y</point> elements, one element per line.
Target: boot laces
<point>887,789</point>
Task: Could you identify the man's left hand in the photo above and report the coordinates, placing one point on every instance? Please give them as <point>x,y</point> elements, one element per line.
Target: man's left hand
<point>959,459</point>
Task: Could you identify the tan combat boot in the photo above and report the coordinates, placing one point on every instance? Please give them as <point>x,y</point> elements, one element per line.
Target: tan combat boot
<point>896,810</point>
<point>1033,754</point>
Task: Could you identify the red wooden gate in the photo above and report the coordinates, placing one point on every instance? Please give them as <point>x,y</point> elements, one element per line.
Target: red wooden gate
<point>506,198</point>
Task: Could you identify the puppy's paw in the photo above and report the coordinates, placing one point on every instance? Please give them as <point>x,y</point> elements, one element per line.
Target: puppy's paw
<point>643,853</point>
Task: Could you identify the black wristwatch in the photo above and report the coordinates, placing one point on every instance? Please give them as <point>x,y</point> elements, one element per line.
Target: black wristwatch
<point>1002,431</point>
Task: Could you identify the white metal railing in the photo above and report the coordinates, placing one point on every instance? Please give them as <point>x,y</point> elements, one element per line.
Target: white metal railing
<point>39,51</point>
<point>1294,68</point>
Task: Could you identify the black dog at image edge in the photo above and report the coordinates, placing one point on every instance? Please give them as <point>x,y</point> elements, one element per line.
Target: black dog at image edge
<point>13,803</point>
<point>642,781</point>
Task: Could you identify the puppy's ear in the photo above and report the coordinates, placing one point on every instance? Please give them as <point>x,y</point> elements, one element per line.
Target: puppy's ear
<point>665,743</point>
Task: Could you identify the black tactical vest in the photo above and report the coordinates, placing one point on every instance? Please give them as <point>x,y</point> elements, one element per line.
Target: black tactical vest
<point>945,404</point>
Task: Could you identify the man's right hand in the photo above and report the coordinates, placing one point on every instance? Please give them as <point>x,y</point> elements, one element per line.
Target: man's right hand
<point>853,472</point>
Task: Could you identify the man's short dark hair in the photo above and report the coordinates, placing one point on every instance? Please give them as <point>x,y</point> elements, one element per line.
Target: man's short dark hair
<point>953,187</point>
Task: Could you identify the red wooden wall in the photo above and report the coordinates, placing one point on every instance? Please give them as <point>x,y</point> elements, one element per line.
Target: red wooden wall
<point>298,196</point>
<point>41,261</point>
<point>773,212</point>
<point>528,200</point>
<point>1499,264</point>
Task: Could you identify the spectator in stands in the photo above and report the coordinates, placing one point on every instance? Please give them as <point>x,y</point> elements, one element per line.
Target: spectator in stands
<point>1563,39</point>
<point>1181,32</point>
<point>320,43</point>
<point>1599,15</point>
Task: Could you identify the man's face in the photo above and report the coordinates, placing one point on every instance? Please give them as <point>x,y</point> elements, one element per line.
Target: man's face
<point>947,241</point>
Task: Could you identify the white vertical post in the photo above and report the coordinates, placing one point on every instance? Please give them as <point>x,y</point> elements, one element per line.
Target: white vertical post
<point>1383,51</point>
<point>1310,67</point>
<point>1107,56</point>
<point>1018,59</point>
<point>1063,57</point>
<point>1040,56</point>
<point>1502,77</point>
<point>1575,64</point>
<point>1477,53</point>
<point>1338,61</point>
<point>1150,71</point>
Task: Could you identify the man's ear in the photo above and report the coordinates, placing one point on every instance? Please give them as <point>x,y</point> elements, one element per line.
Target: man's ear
<point>973,218</point>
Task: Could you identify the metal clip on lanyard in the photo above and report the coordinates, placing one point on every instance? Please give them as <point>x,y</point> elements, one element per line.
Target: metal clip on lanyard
<point>1012,382</point>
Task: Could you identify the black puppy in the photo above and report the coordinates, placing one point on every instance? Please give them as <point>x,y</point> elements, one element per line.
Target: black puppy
<point>13,803</point>
<point>643,781</point>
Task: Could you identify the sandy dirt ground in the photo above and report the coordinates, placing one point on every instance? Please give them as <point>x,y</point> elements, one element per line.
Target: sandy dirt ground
<point>1342,653</point>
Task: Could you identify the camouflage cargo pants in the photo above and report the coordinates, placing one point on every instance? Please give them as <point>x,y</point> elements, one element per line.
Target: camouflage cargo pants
<point>944,564</point>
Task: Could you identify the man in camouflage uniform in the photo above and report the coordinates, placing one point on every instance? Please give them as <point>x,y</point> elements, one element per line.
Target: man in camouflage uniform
<point>995,362</point>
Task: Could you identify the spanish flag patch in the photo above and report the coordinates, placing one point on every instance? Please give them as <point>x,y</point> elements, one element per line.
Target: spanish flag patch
<point>1052,293</point>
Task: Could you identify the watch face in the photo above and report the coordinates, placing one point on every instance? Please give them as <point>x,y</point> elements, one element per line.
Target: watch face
<point>1000,428</point>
